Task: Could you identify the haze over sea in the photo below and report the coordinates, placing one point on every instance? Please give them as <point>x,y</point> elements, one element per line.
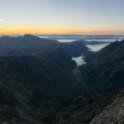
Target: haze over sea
<point>90,38</point>
<point>69,38</point>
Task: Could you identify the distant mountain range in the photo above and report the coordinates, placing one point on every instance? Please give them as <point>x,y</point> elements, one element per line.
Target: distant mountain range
<point>40,83</point>
<point>93,42</point>
<point>37,74</point>
<point>32,45</point>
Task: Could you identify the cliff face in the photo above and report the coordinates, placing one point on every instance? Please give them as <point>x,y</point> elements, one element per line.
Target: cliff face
<point>113,114</point>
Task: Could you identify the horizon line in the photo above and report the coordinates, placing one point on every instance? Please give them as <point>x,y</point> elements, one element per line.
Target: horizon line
<point>55,34</point>
<point>60,32</point>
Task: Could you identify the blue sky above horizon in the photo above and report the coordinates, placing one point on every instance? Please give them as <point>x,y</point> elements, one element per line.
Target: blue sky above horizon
<point>62,16</point>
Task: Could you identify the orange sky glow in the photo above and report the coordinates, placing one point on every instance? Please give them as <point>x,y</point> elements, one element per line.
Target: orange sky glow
<point>88,17</point>
<point>60,31</point>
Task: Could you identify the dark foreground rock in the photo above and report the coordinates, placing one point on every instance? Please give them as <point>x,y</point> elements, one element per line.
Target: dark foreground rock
<point>113,114</point>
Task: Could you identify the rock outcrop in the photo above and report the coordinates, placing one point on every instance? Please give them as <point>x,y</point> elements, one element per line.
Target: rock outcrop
<point>113,114</point>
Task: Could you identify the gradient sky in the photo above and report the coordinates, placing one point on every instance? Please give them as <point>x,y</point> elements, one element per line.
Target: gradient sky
<point>62,16</point>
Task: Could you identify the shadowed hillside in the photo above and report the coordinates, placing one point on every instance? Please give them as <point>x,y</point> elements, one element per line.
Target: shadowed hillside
<point>32,45</point>
<point>47,86</point>
<point>104,71</point>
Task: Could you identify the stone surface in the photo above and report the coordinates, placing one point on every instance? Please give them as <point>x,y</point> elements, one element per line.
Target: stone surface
<point>113,113</point>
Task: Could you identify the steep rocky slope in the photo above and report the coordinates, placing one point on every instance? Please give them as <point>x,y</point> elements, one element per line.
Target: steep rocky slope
<point>113,113</point>
<point>21,104</point>
<point>104,70</point>
<point>16,101</point>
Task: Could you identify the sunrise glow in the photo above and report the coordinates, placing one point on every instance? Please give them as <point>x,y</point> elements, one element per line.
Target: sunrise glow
<point>62,17</point>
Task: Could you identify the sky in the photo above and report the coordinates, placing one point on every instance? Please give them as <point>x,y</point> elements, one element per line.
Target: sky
<point>62,16</point>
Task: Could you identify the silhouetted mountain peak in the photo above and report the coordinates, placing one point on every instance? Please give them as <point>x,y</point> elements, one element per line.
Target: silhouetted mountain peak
<point>29,36</point>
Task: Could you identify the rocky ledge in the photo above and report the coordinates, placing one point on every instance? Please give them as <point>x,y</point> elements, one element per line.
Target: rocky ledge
<point>113,113</point>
